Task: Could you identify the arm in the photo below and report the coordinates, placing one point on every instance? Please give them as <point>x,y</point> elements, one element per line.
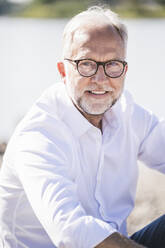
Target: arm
<point>45,171</point>
<point>116,240</point>
<point>150,133</point>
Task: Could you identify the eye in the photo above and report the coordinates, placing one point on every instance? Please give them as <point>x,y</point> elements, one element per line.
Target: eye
<point>113,63</point>
<point>85,63</point>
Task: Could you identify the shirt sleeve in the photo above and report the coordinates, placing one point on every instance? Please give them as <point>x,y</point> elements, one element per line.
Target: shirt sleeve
<point>152,141</point>
<point>45,170</point>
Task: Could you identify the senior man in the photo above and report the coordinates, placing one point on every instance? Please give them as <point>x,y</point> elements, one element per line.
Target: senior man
<point>70,170</point>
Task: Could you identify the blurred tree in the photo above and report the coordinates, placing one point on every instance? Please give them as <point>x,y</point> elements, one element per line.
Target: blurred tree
<point>46,1</point>
<point>124,2</point>
<point>111,2</point>
<point>133,2</point>
<point>57,1</point>
<point>4,7</point>
<point>160,2</point>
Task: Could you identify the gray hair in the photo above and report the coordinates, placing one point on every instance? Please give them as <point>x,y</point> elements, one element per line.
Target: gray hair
<point>95,11</point>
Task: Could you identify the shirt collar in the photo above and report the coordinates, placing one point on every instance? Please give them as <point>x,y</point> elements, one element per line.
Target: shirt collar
<point>112,116</point>
<point>79,124</point>
<point>72,116</point>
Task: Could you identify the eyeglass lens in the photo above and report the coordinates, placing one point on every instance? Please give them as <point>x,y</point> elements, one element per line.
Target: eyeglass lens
<point>113,68</point>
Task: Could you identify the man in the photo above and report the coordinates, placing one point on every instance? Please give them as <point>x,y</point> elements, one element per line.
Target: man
<point>69,174</point>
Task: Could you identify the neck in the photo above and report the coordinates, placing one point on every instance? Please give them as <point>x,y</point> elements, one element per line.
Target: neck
<point>95,120</point>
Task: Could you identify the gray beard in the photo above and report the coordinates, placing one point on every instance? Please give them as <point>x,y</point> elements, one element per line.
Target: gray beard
<point>84,110</point>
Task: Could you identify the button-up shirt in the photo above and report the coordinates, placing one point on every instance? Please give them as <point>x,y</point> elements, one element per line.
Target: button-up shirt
<point>64,183</point>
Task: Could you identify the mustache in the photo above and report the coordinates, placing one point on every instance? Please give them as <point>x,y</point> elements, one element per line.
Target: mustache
<point>99,88</point>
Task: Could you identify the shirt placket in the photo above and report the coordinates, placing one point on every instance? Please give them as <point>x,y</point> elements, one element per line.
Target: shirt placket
<point>99,141</point>
<point>99,181</point>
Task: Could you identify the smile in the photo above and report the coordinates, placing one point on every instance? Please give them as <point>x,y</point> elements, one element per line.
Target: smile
<point>97,92</point>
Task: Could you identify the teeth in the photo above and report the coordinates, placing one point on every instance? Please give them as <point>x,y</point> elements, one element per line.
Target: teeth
<point>98,92</point>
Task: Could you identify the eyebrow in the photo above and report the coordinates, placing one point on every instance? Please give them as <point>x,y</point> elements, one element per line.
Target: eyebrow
<point>117,58</point>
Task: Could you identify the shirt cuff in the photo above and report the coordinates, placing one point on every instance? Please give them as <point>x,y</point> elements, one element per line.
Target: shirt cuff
<point>103,231</point>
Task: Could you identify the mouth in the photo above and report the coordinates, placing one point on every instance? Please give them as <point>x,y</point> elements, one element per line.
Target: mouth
<point>95,92</point>
<point>98,94</point>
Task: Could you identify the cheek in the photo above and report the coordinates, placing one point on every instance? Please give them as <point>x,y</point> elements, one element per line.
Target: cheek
<point>71,79</point>
<point>117,84</point>
<point>75,86</point>
<point>80,83</point>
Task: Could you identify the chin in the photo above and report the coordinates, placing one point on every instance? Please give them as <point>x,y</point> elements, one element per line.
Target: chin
<point>94,110</point>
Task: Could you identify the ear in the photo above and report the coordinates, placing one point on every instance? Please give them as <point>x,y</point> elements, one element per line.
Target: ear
<point>126,69</point>
<point>61,69</point>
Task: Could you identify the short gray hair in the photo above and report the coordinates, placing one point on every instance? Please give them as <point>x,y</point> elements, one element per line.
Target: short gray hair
<point>96,11</point>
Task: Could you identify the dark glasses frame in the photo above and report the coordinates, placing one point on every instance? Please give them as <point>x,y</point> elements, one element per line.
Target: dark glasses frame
<point>77,61</point>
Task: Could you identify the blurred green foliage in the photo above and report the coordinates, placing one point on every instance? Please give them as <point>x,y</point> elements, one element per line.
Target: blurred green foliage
<point>68,8</point>
<point>161,2</point>
<point>58,9</point>
<point>4,7</point>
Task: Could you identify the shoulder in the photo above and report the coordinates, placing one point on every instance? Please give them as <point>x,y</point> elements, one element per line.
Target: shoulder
<point>134,110</point>
<point>43,129</point>
<point>141,120</point>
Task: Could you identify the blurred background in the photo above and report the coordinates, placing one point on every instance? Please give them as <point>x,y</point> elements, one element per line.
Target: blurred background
<point>30,46</point>
<point>67,8</point>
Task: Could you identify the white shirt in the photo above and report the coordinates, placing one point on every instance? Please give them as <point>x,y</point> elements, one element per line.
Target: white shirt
<point>65,184</point>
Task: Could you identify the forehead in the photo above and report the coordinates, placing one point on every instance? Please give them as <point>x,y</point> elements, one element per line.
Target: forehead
<point>100,39</point>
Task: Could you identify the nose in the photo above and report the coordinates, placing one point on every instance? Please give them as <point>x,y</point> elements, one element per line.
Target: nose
<point>100,76</point>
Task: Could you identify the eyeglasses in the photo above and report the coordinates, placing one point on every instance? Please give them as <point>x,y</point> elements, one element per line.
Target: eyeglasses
<point>89,67</point>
